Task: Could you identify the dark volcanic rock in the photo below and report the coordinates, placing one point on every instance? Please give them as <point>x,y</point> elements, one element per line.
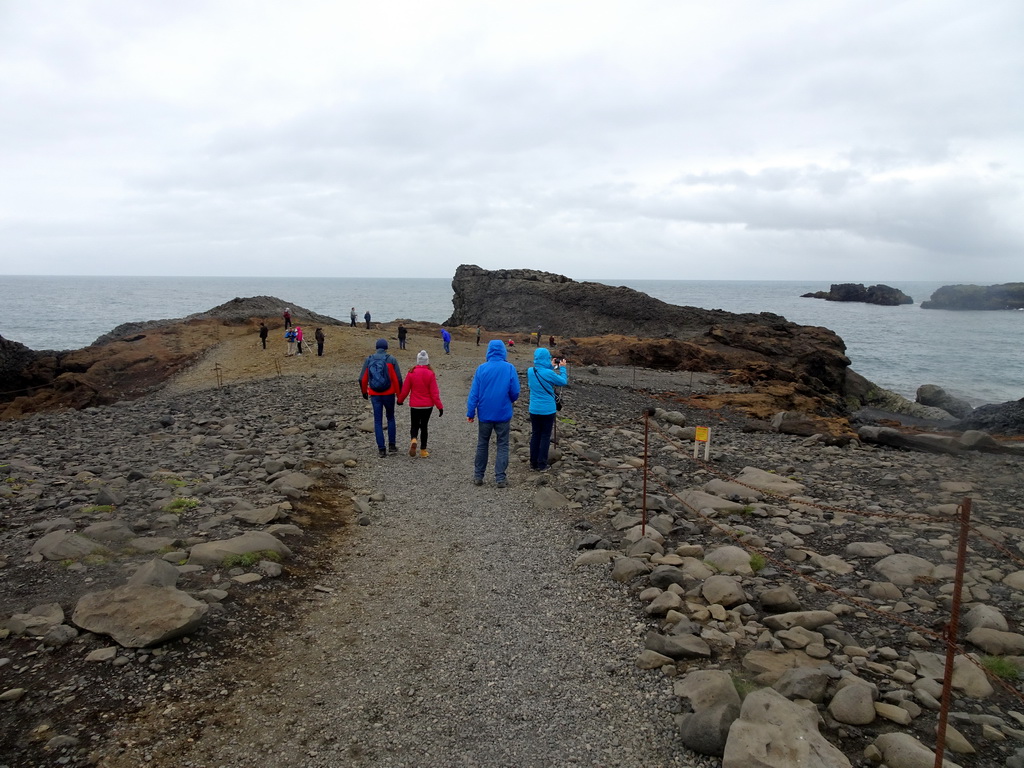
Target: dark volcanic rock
<point>1005,296</point>
<point>523,299</point>
<point>756,349</point>
<point>884,295</point>
<point>937,397</point>
<point>1000,418</point>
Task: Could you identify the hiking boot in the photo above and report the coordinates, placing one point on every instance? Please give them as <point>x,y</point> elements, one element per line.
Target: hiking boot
<point>412,447</point>
<point>383,453</point>
<point>392,448</point>
<point>501,484</point>
<point>478,481</point>
<point>424,453</point>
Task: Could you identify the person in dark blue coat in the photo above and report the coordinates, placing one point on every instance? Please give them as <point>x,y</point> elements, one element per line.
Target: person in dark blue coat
<point>495,388</point>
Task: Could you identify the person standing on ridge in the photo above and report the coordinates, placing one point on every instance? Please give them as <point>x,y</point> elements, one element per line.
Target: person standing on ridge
<point>319,336</point>
<point>542,380</point>
<point>402,332</point>
<point>478,335</point>
<point>380,380</point>
<point>421,388</point>
<point>495,388</point>
<point>298,338</point>
<point>366,317</point>
<point>264,332</point>
<point>287,315</point>
<point>447,339</point>
<point>352,316</point>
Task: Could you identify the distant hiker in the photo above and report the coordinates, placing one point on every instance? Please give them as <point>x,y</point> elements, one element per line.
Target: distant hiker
<point>551,341</point>
<point>352,317</point>
<point>421,388</point>
<point>401,336</point>
<point>366,317</point>
<point>319,336</point>
<point>298,338</point>
<point>495,388</point>
<point>478,335</point>
<point>380,380</point>
<point>264,332</point>
<point>289,336</point>
<point>447,339</point>
<point>287,315</point>
<point>538,335</point>
<point>542,379</point>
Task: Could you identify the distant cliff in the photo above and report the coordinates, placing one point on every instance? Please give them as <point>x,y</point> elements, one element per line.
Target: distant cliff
<point>1004,296</point>
<point>884,295</point>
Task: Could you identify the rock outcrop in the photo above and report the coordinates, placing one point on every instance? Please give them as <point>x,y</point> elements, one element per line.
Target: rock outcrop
<point>1003,296</point>
<point>884,295</point>
<point>807,365</point>
<point>130,361</point>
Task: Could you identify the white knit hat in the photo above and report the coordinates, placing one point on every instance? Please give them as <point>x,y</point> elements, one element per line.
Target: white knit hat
<point>422,358</point>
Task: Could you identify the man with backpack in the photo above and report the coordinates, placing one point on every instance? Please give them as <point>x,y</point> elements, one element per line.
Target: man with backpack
<point>380,381</point>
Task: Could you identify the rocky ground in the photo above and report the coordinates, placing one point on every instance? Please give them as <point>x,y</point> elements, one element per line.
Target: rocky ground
<point>389,613</point>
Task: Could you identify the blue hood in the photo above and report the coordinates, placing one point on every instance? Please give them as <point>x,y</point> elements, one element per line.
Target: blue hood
<point>542,358</point>
<point>496,351</point>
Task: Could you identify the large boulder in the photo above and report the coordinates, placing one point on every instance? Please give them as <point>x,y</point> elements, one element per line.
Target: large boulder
<point>138,616</point>
<point>937,397</point>
<point>774,732</point>
<point>714,705</point>
<point>214,552</point>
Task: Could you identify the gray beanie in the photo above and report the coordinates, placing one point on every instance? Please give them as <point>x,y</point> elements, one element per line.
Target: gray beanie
<point>422,358</point>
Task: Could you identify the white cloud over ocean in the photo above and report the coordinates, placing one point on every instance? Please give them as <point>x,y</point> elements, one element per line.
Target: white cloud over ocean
<point>792,140</point>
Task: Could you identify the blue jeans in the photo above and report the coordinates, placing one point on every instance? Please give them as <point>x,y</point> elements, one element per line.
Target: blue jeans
<point>540,439</point>
<point>501,431</point>
<point>382,403</point>
<point>447,351</point>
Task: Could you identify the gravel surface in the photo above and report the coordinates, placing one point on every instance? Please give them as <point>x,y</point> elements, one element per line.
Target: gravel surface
<point>455,632</point>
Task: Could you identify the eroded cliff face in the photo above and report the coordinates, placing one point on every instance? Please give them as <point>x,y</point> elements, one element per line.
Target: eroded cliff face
<point>522,300</point>
<point>620,326</point>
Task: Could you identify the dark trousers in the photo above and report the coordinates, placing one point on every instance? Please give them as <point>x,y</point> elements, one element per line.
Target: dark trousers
<point>420,419</point>
<point>287,323</point>
<point>401,342</point>
<point>353,321</point>
<point>540,439</point>
<point>300,347</point>
<point>319,349</point>
<point>264,340</point>
<point>383,405</point>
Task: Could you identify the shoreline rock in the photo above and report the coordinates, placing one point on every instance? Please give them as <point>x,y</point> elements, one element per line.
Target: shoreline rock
<point>883,295</point>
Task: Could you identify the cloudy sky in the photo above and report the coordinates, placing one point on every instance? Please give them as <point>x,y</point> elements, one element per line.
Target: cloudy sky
<point>870,140</point>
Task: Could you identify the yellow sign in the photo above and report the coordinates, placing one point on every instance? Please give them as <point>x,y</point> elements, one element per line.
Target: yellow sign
<point>701,435</point>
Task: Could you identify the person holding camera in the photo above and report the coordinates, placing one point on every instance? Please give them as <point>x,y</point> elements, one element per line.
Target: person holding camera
<point>542,379</point>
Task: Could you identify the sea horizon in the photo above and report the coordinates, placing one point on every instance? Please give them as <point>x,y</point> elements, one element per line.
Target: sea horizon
<point>971,354</point>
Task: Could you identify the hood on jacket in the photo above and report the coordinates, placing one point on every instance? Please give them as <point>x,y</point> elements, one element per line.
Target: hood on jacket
<point>496,350</point>
<point>542,358</point>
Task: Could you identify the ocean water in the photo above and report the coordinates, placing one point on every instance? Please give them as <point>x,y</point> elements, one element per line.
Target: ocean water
<point>974,355</point>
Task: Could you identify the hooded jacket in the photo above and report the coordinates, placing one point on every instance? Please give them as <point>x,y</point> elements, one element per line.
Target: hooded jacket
<point>495,387</point>
<point>542,380</point>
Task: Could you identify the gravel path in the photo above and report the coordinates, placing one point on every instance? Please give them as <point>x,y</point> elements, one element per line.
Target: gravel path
<point>457,633</point>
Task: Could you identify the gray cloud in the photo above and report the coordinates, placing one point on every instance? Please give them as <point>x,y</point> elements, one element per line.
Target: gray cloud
<point>865,140</point>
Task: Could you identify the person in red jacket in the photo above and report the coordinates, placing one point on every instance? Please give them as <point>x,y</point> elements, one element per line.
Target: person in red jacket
<point>421,388</point>
<point>380,381</point>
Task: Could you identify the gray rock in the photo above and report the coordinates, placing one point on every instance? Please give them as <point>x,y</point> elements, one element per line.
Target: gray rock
<point>214,552</point>
<point>805,619</point>
<point>109,530</point>
<point>139,616</point>
<point>803,683</point>
<point>156,573</point>
<point>997,643</point>
<point>677,646</point>
<point>773,732</point>
<point>901,750</point>
<point>723,590</point>
<point>853,705</point>
<point>714,705</point>
<point>780,600</point>
<point>65,545</point>
<point>985,616</point>
<point>549,498</point>
<point>626,569</point>
<point>905,570</point>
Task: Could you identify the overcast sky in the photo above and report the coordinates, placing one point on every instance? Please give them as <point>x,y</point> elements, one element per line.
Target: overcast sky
<point>868,141</point>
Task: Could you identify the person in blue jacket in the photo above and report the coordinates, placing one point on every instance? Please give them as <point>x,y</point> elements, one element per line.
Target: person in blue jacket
<point>495,388</point>
<point>542,379</point>
<point>447,339</point>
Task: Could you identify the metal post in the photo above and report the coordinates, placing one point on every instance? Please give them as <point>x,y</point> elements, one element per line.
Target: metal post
<point>643,519</point>
<point>952,629</point>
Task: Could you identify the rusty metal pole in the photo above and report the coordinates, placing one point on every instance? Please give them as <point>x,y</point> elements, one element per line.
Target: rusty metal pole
<point>952,630</point>
<point>643,519</point>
